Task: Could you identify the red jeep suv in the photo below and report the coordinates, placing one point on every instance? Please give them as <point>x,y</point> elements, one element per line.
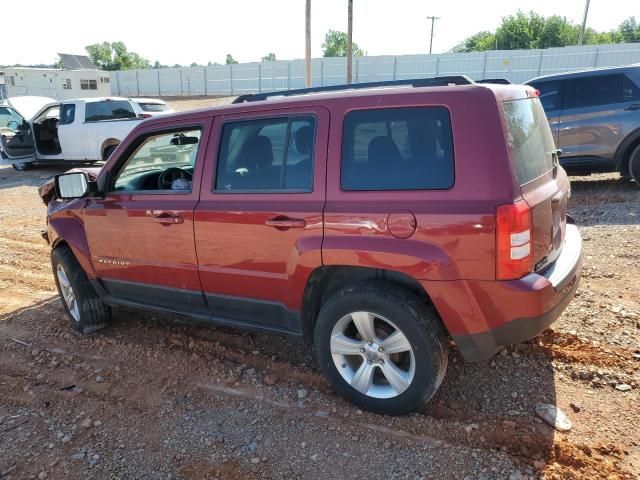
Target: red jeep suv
<point>375,221</point>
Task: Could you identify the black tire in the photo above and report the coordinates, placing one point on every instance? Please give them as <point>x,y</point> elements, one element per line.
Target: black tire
<point>108,151</point>
<point>634,165</point>
<point>21,166</point>
<point>92,313</point>
<point>409,314</point>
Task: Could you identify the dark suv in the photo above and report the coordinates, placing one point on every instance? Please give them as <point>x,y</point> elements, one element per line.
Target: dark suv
<point>595,119</point>
<point>376,223</point>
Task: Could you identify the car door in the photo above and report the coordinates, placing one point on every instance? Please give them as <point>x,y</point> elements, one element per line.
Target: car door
<point>140,234</point>
<point>551,97</point>
<point>258,226</point>
<point>594,115</point>
<point>16,138</point>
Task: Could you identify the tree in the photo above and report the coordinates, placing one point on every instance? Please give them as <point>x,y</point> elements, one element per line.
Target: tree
<point>525,31</point>
<point>115,56</point>
<point>230,60</point>
<point>629,30</point>
<point>476,43</point>
<point>269,57</point>
<point>335,45</point>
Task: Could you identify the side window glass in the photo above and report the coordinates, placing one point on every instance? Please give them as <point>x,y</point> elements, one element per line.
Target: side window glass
<point>596,90</point>
<point>549,94</point>
<point>267,155</point>
<point>162,162</point>
<point>109,110</point>
<point>67,114</point>
<point>630,91</point>
<point>397,149</point>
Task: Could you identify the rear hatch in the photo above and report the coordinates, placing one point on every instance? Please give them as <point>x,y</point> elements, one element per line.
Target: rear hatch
<point>543,183</point>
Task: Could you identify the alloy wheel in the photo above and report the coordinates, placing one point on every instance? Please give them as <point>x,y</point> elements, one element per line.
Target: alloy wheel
<point>372,355</point>
<point>68,294</point>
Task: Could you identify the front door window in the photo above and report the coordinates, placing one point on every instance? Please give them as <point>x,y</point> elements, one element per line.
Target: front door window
<point>161,163</point>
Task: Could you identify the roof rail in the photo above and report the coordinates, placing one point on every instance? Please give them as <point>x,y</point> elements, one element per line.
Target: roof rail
<point>414,82</point>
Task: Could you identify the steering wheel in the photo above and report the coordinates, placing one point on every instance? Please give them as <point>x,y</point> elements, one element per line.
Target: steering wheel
<point>167,177</point>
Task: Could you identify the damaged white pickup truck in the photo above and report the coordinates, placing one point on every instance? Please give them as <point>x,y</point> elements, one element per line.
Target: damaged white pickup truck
<point>38,130</point>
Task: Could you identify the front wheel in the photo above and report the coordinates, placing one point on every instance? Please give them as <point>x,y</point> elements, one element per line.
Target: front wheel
<point>634,165</point>
<point>21,166</point>
<point>87,312</point>
<point>381,347</point>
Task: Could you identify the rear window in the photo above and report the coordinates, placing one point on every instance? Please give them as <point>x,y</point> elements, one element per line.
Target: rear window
<point>530,140</point>
<point>109,110</point>
<point>153,107</point>
<point>397,149</point>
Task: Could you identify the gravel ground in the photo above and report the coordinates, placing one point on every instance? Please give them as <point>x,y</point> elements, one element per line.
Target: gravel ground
<point>157,396</point>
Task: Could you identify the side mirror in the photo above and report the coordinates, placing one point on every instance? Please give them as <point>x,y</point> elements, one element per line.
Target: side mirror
<point>72,185</point>
<point>13,125</point>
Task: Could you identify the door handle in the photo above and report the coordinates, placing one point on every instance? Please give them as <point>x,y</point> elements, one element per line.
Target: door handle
<point>165,218</point>
<point>285,223</point>
<point>635,106</point>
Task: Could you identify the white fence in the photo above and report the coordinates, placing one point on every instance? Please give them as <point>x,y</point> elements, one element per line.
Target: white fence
<point>514,65</point>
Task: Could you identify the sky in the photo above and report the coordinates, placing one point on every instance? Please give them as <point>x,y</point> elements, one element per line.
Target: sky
<point>206,30</point>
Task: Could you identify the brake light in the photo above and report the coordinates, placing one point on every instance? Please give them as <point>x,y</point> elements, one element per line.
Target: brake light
<point>144,115</point>
<point>513,240</point>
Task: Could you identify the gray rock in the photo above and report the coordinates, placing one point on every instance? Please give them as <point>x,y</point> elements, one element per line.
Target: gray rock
<point>553,416</point>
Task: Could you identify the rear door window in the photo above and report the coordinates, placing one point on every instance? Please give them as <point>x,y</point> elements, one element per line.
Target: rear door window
<point>397,149</point>
<point>274,154</point>
<point>601,90</point>
<point>530,141</point>
<point>109,110</point>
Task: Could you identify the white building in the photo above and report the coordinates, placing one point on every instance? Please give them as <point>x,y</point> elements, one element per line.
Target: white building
<point>59,83</point>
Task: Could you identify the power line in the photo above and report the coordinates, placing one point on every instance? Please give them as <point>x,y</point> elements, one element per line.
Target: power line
<point>433,19</point>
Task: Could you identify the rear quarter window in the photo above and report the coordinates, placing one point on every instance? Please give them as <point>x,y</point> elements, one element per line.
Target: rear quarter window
<point>529,138</point>
<point>397,149</point>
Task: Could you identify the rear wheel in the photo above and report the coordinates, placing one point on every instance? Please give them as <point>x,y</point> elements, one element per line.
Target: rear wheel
<point>87,312</point>
<point>381,347</point>
<point>634,165</point>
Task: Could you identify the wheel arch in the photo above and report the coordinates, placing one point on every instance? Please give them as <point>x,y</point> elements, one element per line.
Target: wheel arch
<point>624,150</point>
<point>324,281</point>
<point>110,142</point>
<point>70,232</point>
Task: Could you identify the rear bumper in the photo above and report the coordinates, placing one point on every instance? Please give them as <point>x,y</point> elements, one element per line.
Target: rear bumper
<point>484,316</point>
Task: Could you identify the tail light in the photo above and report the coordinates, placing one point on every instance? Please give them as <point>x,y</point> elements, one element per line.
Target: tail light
<point>144,115</point>
<point>514,257</point>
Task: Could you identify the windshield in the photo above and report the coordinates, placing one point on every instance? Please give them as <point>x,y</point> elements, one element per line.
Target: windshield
<point>153,107</point>
<point>8,115</point>
<point>530,139</point>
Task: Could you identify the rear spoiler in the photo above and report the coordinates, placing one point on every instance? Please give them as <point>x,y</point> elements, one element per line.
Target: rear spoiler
<point>500,81</point>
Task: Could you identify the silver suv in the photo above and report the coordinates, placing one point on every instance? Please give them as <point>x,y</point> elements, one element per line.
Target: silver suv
<point>595,119</point>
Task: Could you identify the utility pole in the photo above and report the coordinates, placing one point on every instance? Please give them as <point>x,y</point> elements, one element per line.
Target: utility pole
<point>433,20</point>
<point>584,22</point>
<point>307,48</point>
<point>350,42</point>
